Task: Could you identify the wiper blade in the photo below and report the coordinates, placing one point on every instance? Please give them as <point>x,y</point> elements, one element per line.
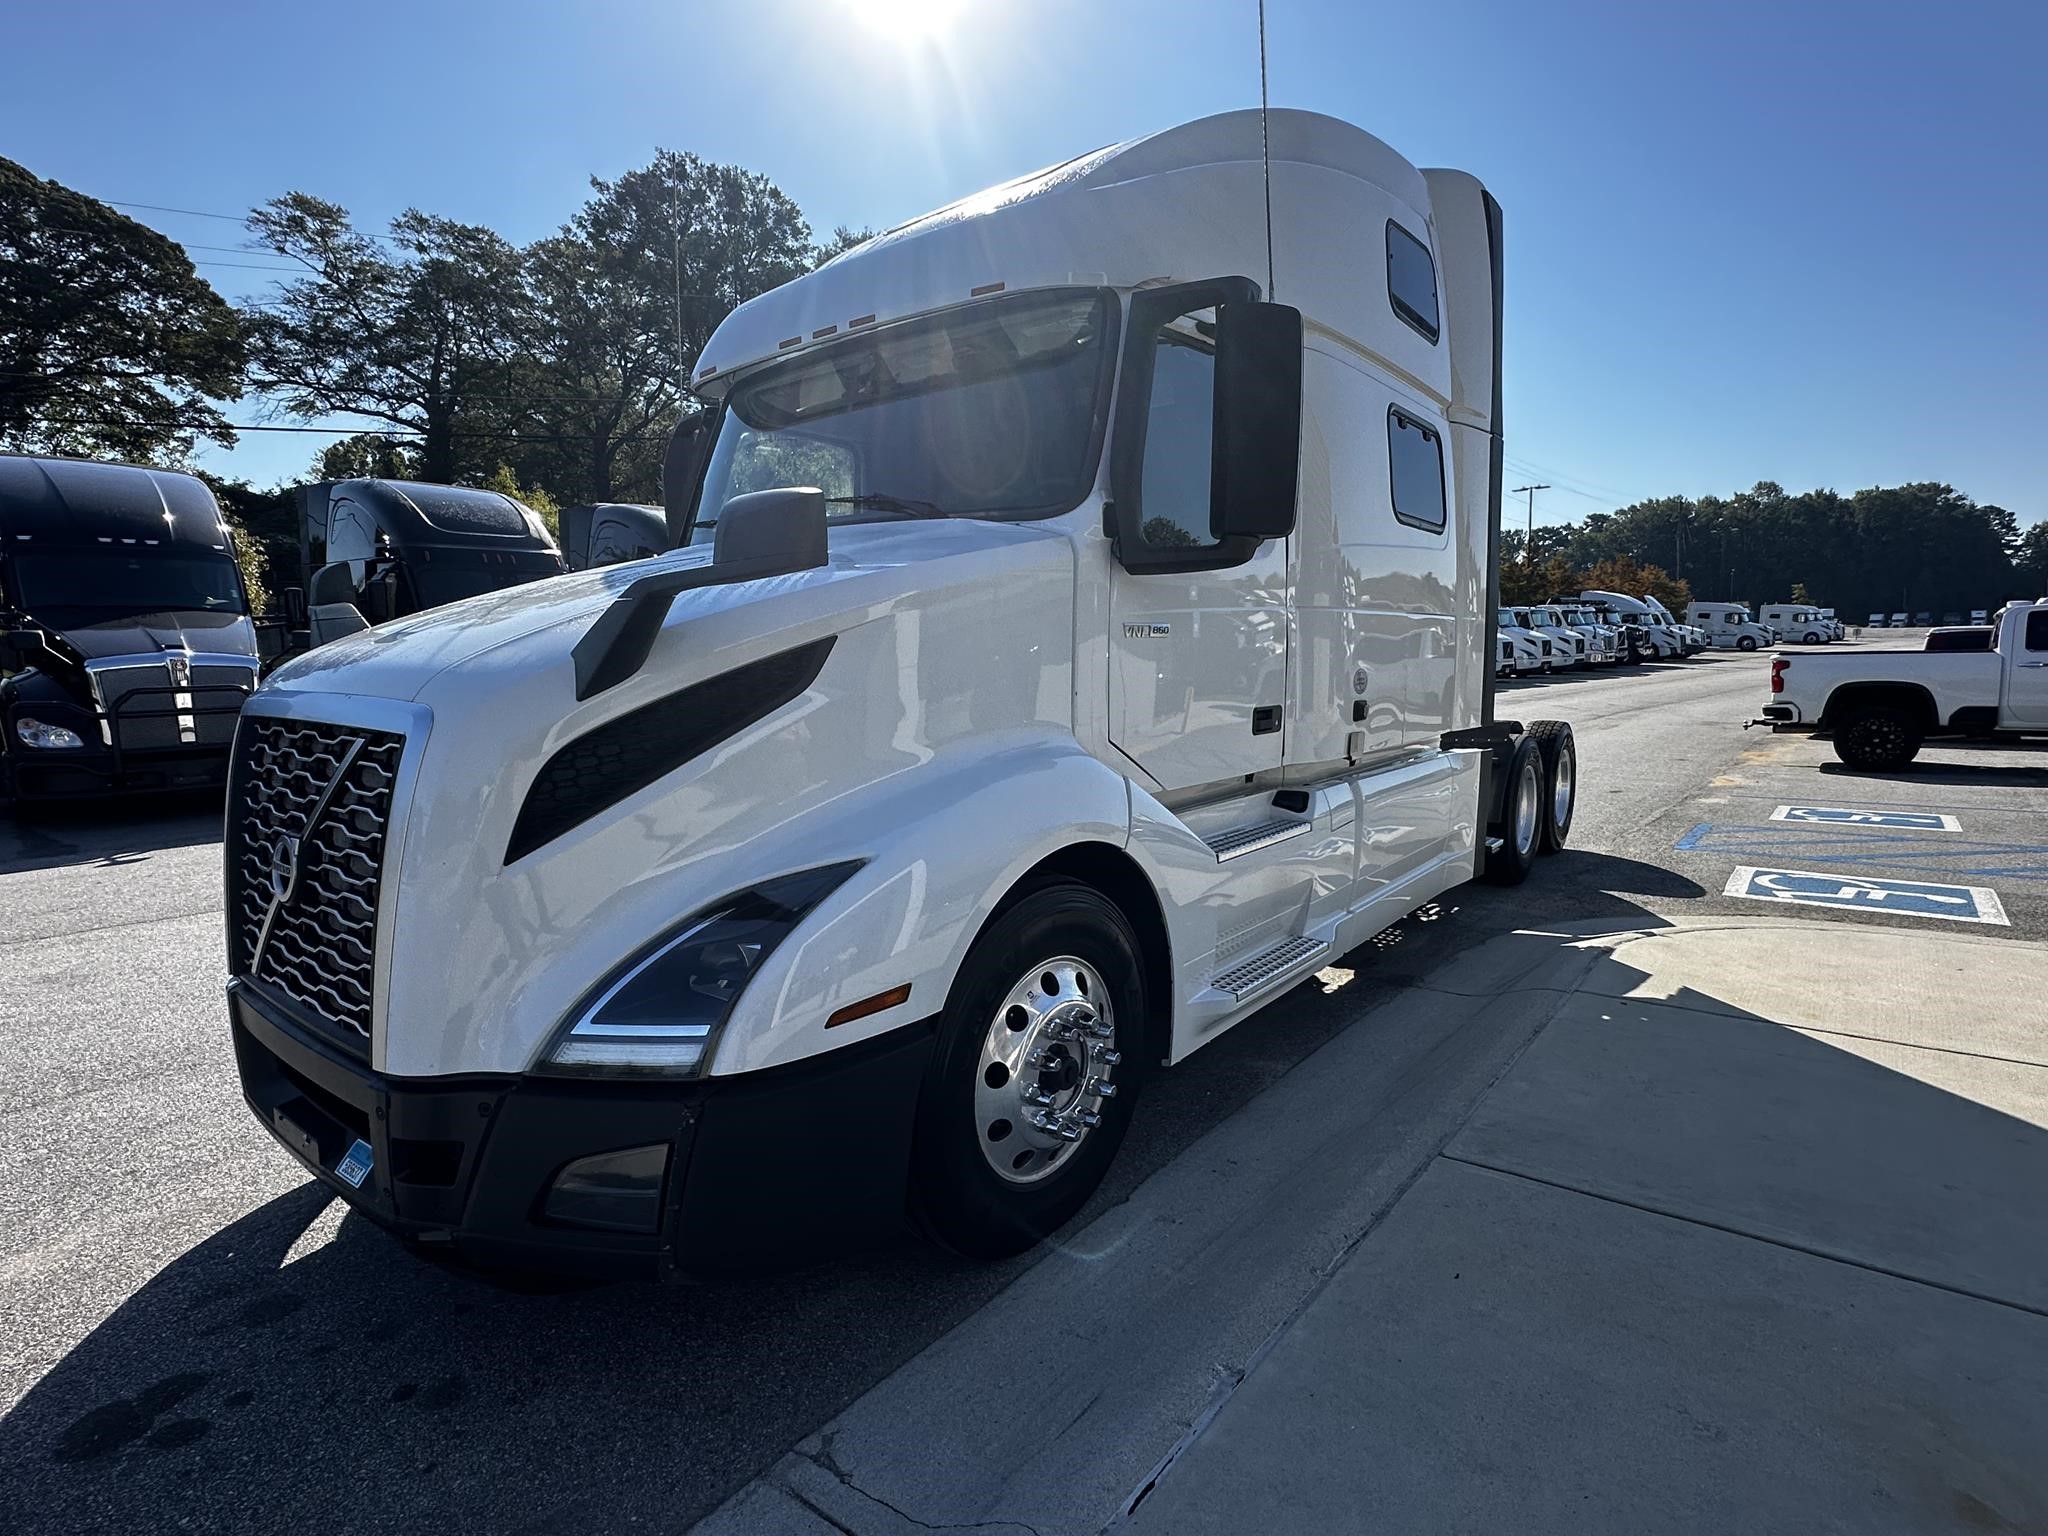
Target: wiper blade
<point>882,501</point>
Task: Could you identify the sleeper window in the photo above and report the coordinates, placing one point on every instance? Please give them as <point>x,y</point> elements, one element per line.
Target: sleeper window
<point>1411,280</point>
<point>1415,455</point>
<point>2037,630</point>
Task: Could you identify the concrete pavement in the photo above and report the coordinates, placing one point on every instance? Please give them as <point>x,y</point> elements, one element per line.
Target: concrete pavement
<point>1748,1237</point>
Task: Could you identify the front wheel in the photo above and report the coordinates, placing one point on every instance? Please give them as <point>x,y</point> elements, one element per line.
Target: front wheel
<point>1877,738</point>
<point>1746,643</point>
<point>1036,1069</point>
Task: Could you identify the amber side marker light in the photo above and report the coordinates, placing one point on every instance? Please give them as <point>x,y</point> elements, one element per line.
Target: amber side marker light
<point>868,1005</point>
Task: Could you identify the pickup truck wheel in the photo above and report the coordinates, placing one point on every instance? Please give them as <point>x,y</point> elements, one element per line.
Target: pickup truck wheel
<point>1560,754</point>
<point>1034,1075</point>
<point>1745,642</point>
<point>1877,737</point>
<point>1521,825</point>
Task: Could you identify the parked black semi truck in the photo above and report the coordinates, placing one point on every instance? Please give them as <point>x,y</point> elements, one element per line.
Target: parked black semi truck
<point>373,550</point>
<point>126,648</point>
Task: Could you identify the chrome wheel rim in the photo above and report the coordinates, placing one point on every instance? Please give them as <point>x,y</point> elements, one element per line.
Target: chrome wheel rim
<point>1528,797</point>
<point>1565,785</point>
<point>1047,1064</point>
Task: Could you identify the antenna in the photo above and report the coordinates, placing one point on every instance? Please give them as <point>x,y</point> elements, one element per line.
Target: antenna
<point>1266,153</point>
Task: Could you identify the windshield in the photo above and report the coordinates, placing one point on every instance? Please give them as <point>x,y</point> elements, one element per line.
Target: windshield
<point>439,576</point>
<point>1507,620</point>
<point>990,410</point>
<point>109,585</point>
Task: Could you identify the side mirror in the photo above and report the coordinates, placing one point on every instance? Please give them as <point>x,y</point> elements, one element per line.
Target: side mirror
<point>1255,449</point>
<point>331,584</point>
<point>785,528</point>
<point>21,649</point>
<point>380,595</point>
<point>294,599</point>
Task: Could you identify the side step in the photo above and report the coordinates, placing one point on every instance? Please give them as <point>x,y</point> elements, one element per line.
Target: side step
<point>1253,975</point>
<point>1236,842</point>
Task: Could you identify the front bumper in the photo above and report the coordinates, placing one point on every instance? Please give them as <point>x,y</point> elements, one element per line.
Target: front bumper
<point>764,1171</point>
<point>92,773</point>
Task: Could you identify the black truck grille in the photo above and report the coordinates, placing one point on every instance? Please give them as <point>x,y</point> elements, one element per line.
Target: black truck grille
<point>320,950</point>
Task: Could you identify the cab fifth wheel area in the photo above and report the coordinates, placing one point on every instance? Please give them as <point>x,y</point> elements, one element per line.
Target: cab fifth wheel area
<point>1094,636</point>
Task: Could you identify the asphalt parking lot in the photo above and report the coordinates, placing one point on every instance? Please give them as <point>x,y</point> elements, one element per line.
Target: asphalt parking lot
<point>198,1338</point>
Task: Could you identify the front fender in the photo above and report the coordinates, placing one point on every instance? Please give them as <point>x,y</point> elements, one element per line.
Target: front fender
<point>943,846</point>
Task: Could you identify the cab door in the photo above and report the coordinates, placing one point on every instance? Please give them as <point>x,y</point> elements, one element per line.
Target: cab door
<point>2026,671</point>
<point>1197,646</point>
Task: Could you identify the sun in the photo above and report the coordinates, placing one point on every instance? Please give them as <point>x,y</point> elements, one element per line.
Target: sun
<point>907,21</point>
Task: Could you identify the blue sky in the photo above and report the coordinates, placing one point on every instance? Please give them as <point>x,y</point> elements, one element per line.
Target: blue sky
<point>1800,241</point>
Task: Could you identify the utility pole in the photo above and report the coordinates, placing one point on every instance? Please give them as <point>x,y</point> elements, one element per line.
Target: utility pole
<point>1529,539</point>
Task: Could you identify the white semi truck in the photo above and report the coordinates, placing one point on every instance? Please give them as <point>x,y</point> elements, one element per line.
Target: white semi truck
<point>1104,642</point>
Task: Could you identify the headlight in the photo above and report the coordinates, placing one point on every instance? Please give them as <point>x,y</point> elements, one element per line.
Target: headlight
<point>34,733</point>
<point>661,1011</point>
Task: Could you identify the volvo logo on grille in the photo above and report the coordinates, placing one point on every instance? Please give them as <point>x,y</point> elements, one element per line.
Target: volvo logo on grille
<point>287,856</point>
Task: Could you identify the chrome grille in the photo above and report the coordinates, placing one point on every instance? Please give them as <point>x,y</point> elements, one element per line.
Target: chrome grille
<point>321,951</point>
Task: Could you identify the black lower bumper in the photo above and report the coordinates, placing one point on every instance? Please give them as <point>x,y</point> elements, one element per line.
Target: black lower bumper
<point>763,1172</point>
<point>91,774</point>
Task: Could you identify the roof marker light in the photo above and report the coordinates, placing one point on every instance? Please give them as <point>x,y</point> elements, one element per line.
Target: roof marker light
<point>787,343</point>
<point>858,321</point>
<point>986,288</point>
<point>821,334</point>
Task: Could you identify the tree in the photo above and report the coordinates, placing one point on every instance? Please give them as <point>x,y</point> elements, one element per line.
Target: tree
<point>2030,564</point>
<point>368,456</point>
<point>1801,598</point>
<point>110,344</point>
<point>625,297</point>
<point>266,530</point>
<point>418,336</point>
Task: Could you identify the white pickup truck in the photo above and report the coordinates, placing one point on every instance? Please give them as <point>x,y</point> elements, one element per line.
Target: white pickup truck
<point>1879,706</point>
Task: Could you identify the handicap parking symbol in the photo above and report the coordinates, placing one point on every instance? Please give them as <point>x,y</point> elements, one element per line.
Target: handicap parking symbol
<point>1908,898</point>
<point>1841,816</point>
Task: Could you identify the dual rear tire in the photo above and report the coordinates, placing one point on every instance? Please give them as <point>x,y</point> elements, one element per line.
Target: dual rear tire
<point>1540,796</point>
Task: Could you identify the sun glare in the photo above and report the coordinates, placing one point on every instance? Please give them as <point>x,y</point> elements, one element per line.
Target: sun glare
<point>907,21</point>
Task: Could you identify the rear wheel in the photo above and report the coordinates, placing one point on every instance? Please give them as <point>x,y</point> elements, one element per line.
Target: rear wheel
<point>1560,753</point>
<point>1035,1074</point>
<point>1521,824</point>
<point>1877,737</point>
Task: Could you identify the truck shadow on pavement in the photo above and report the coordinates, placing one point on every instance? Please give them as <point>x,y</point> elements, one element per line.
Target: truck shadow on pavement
<point>1983,775</point>
<point>105,832</point>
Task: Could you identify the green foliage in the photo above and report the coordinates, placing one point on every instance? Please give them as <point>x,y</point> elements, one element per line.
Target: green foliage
<point>368,456</point>
<point>418,333</point>
<point>266,532</point>
<point>1922,546</point>
<point>111,346</point>
<point>544,506</point>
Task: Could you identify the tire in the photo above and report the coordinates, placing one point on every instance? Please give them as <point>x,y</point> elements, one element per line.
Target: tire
<point>1521,823</point>
<point>1560,753</point>
<point>1745,642</point>
<point>1812,639</point>
<point>958,1192</point>
<point>1877,737</point>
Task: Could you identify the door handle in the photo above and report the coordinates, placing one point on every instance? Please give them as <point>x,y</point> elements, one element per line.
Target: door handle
<point>1265,719</point>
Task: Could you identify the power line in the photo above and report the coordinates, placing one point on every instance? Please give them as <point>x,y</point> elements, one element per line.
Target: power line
<point>356,431</point>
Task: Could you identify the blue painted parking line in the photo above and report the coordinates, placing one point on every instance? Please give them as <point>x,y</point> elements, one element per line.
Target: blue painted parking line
<point>1694,838</point>
<point>1907,898</point>
<point>1911,853</point>
<point>1841,816</point>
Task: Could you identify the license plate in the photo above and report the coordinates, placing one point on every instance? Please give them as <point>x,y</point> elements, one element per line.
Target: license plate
<point>354,1166</point>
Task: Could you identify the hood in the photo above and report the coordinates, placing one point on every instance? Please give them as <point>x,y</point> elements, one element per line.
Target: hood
<point>143,634</point>
<point>399,660</point>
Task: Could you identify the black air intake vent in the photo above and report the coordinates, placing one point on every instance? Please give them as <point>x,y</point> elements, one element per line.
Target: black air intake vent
<point>624,756</point>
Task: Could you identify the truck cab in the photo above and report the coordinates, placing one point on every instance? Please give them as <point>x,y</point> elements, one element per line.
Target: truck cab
<point>1798,625</point>
<point>1528,651</point>
<point>1568,646</point>
<point>1605,638</point>
<point>1665,641</point>
<point>126,648</point>
<point>377,550</point>
<point>1879,706</point>
<point>1728,625</point>
<point>1089,648</point>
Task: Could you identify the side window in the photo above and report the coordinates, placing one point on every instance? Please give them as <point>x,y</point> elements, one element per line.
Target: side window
<point>1173,484</point>
<point>2037,630</point>
<point>352,538</point>
<point>1411,281</point>
<point>1415,453</point>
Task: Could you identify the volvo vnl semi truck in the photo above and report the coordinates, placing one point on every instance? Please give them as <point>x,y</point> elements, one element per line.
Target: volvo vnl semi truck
<point>1100,641</point>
